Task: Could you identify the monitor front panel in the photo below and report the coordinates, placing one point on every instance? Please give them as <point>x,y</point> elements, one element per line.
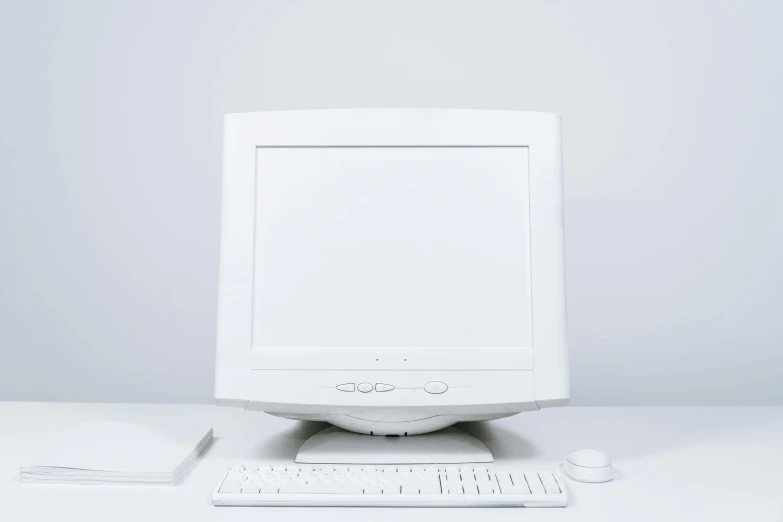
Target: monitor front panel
<point>391,248</point>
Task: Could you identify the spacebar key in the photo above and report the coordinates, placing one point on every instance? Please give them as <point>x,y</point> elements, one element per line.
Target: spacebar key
<point>316,489</point>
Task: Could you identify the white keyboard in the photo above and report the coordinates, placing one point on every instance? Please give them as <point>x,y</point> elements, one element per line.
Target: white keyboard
<point>363,485</point>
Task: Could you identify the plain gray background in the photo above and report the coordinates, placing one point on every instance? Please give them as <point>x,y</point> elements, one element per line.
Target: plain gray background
<point>110,164</point>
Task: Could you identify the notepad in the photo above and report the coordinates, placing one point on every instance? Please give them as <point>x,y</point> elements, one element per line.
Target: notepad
<point>107,452</point>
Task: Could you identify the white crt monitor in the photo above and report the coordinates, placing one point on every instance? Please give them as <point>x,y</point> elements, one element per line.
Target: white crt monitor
<point>392,271</point>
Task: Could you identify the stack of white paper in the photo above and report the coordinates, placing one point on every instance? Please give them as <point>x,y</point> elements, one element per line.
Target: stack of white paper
<point>120,453</point>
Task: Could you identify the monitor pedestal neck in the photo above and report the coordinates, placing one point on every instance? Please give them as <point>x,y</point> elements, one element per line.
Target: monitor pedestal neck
<point>337,446</point>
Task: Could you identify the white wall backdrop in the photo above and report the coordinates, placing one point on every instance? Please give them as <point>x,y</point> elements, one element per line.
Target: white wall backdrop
<point>110,158</point>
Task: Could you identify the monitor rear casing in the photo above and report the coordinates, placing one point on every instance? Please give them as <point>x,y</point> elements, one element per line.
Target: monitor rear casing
<point>292,327</point>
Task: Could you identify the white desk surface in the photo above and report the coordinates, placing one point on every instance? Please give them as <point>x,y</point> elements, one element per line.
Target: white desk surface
<point>672,464</point>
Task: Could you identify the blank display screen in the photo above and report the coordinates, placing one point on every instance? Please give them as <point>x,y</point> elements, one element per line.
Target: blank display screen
<point>393,247</point>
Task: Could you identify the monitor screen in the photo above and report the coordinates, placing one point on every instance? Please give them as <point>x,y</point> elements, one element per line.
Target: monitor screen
<point>392,247</point>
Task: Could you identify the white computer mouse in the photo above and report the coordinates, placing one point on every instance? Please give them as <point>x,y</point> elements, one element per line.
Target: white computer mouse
<point>588,465</point>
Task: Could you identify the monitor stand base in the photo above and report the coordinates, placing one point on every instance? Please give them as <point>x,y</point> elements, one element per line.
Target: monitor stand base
<point>447,446</point>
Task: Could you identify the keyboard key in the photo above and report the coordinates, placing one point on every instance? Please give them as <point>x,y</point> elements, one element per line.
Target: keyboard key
<point>483,478</point>
<point>456,490</point>
<point>230,487</point>
<point>504,481</point>
<point>410,489</point>
<point>372,490</point>
<point>318,489</point>
<point>550,485</point>
<point>248,487</point>
<point>486,489</point>
<point>391,490</point>
<point>536,487</point>
<point>470,489</point>
<point>430,485</point>
<point>430,488</point>
<point>508,486</point>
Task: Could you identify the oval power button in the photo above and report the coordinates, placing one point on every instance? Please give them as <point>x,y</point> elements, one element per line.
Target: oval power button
<point>435,387</point>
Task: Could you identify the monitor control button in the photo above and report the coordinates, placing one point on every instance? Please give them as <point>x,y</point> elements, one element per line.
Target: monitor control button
<point>365,387</point>
<point>348,387</point>
<point>435,387</point>
<point>380,387</point>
